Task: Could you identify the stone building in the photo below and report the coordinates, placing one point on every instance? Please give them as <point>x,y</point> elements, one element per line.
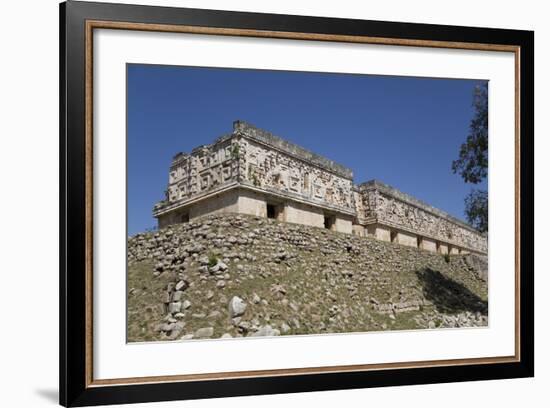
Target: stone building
<point>391,215</point>
<point>251,171</point>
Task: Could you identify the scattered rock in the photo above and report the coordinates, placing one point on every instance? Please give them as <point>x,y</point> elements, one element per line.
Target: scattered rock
<point>182,285</point>
<point>278,289</point>
<point>174,307</point>
<point>244,326</point>
<point>310,280</point>
<point>266,331</point>
<point>237,307</point>
<point>204,332</point>
<point>165,297</point>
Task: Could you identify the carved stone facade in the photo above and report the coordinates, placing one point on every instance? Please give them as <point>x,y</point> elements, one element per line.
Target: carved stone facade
<point>252,171</point>
<point>392,215</point>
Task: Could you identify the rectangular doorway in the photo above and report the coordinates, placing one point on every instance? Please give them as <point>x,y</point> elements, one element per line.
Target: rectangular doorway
<point>329,222</point>
<point>271,211</point>
<point>275,211</point>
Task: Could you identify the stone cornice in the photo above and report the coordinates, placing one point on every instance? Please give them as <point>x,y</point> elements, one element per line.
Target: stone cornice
<point>298,198</point>
<point>175,205</point>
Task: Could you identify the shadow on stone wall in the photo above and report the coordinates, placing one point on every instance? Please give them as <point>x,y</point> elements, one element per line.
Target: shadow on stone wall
<point>447,295</point>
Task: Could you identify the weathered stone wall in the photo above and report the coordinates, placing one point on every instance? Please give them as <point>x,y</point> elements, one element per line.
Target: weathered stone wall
<point>252,203</point>
<point>385,205</point>
<point>301,214</point>
<point>407,239</point>
<point>206,168</point>
<point>223,202</point>
<point>293,175</point>
<point>263,170</point>
<point>343,224</point>
<point>267,138</point>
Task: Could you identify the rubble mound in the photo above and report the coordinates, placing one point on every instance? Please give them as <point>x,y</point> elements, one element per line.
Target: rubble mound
<point>232,275</point>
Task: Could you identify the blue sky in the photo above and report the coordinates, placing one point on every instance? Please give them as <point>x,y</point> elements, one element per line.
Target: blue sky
<point>403,131</point>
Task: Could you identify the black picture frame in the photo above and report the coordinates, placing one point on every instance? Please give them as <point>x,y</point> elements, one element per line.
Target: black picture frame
<point>75,387</point>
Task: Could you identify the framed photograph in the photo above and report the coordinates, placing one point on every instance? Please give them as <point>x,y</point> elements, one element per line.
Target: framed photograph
<point>256,203</point>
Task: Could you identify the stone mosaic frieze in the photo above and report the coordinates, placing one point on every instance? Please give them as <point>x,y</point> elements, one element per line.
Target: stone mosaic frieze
<point>253,158</point>
<point>386,205</point>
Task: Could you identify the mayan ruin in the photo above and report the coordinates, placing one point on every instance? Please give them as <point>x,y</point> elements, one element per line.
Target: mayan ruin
<point>251,171</point>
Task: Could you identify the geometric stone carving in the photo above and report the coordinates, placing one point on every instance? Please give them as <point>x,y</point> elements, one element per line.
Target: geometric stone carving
<point>253,171</point>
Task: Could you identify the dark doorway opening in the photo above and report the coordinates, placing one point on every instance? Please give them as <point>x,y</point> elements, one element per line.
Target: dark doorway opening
<point>329,222</point>
<point>271,211</point>
<point>393,236</point>
<point>184,218</point>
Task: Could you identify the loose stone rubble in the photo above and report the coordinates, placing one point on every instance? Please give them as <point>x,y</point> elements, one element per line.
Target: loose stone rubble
<point>289,279</point>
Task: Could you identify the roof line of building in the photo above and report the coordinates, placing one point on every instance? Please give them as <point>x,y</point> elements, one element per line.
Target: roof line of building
<point>268,138</point>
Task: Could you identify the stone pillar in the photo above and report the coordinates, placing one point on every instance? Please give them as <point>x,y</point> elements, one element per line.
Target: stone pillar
<point>303,214</point>
<point>443,249</point>
<point>358,230</point>
<point>428,245</point>
<point>404,238</point>
<point>252,203</point>
<point>379,232</point>
<point>342,225</point>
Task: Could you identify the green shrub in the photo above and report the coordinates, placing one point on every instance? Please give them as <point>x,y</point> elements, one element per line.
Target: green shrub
<point>212,260</point>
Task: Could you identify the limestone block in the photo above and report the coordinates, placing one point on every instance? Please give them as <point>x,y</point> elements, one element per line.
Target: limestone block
<point>443,249</point>
<point>428,245</point>
<point>358,230</point>
<point>225,202</point>
<point>252,203</point>
<point>343,225</point>
<point>302,214</point>
<point>404,238</point>
<point>381,233</point>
